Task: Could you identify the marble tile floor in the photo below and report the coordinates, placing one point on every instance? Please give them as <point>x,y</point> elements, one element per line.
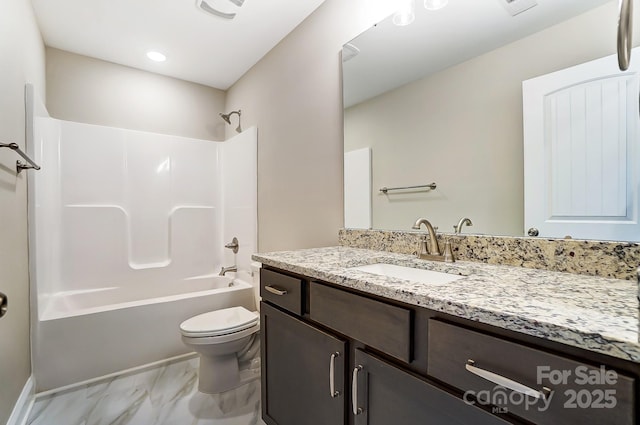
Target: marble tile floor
<point>164,395</point>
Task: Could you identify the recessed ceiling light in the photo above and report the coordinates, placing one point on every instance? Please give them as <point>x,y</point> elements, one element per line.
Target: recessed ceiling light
<point>156,56</point>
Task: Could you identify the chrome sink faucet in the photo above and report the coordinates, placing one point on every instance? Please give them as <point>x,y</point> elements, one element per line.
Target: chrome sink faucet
<point>457,228</point>
<point>433,251</point>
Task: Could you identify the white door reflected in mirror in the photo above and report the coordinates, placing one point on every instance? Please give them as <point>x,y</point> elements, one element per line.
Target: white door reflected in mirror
<point>580,150</point>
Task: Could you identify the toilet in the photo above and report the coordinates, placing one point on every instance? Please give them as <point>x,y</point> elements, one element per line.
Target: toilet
<point>218,336</point>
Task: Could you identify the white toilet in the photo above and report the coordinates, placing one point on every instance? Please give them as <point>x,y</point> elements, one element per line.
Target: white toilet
<point>218,337</point>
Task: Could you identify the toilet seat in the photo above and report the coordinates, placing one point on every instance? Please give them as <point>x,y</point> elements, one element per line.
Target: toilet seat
<point>221,339</point>
<point>220,322</point>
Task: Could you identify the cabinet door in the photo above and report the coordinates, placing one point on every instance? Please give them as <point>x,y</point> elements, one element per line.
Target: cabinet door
<point>385,394</point>
<point>297,361</point>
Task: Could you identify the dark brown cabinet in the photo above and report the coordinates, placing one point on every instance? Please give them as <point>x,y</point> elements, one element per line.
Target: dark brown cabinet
<point>332,356</point>
<point>281,290</point>
<point>300,364</point>
<point>377,324</point>
<point>384,395</point>
<point>564,391</point>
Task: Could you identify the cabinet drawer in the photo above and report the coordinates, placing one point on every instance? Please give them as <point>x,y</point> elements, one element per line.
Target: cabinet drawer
<point>379,325</point>
<point>387,395</point>
<point>281,290</point>
<point>576,393</point>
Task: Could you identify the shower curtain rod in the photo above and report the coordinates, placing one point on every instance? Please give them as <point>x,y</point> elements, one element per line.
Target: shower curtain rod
<point>19,164</point>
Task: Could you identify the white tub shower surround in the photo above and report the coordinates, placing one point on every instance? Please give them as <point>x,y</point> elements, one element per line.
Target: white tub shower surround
<point>127,234</point>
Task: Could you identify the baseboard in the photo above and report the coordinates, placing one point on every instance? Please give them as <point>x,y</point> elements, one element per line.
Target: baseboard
<point>24,404</point>
<point>133,370</point>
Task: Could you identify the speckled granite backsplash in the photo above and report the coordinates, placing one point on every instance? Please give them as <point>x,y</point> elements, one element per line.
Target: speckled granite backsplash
<point>593,258</point>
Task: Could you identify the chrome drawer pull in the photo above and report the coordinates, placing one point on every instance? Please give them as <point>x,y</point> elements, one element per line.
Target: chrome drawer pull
<point>332,370</point>
<point>354,390</point>
<point>3,304</point>
<point>275,290</point>
<point>506,382</point>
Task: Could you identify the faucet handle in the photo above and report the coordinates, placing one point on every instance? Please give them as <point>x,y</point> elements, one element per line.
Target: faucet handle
<point>422,246</point>
<point>448,252</point>
<point>233,245</point>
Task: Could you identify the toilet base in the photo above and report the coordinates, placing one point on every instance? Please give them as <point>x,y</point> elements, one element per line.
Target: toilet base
<point>218,374</point>
<point>219,368</point>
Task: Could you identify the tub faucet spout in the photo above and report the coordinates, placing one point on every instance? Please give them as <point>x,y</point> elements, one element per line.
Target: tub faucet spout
<point>228,269</point>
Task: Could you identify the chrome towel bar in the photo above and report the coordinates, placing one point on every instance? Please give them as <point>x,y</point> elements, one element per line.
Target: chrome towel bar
<point>431,186</point>
<point>19,164</point>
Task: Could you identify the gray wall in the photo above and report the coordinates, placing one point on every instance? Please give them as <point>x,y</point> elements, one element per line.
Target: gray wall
<point>22,54</point>
<point>93,91</point>
<point>462,128</point>
<point>294,96</point>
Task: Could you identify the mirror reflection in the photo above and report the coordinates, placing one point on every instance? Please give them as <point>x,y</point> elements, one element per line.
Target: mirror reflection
<point>441,101</point>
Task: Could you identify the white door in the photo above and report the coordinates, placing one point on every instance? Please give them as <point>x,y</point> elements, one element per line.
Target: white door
<point>581,167</point>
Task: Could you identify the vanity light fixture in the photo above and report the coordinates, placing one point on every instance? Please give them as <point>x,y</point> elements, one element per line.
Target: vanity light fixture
<point>435,4</point>
<point>406,14</point>
<point>156,56</point>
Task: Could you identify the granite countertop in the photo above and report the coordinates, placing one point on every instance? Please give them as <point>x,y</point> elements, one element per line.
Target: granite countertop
<point>593,313</point>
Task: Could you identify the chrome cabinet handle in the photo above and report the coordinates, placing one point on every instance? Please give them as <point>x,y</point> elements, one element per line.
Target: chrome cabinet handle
<point>354,390</point>
<point>275,290</point>
<point>506,382</point>
<point>332,371</point>
<point>3,304</point>
<point>625,30</point>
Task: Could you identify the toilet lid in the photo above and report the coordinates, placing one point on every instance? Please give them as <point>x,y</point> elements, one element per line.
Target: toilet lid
<point>219,322</point>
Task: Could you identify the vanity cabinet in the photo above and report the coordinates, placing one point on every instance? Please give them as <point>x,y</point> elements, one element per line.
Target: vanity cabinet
<point>333,356</point>
<point>325,350</point>
<point>299,364</point>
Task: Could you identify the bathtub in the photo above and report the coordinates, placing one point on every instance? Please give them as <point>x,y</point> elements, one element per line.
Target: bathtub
<point>81,335</point>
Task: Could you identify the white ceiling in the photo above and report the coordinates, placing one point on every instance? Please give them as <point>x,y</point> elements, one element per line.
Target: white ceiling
<point>199,47</point>
<point>391,56</point>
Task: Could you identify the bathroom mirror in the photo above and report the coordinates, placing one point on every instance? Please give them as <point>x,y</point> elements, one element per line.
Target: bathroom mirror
<point>440,101</point>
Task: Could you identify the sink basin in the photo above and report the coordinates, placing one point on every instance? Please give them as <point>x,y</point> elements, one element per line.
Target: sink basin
<point>408,273</point>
